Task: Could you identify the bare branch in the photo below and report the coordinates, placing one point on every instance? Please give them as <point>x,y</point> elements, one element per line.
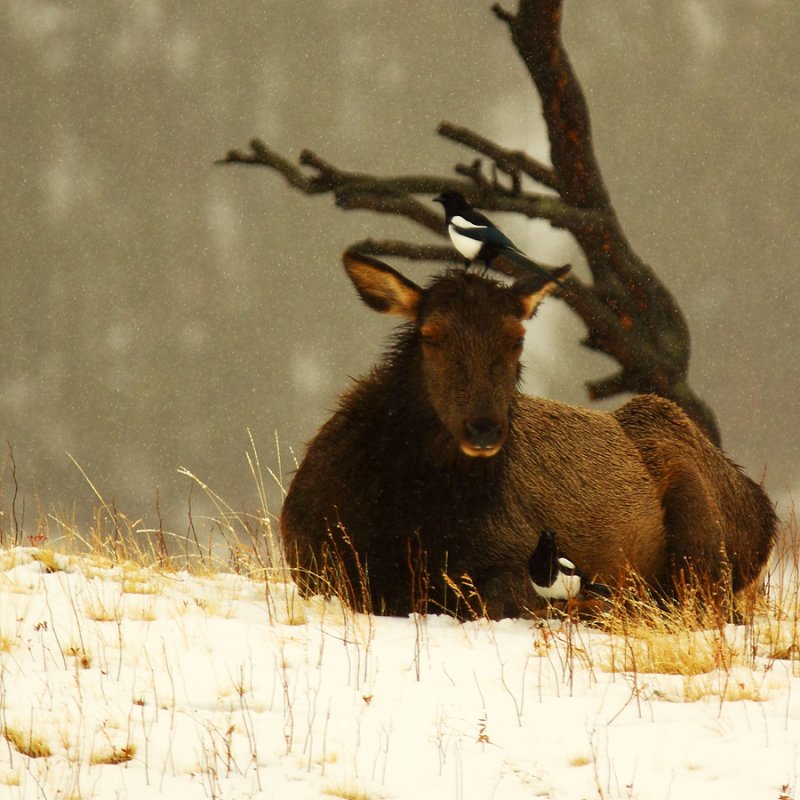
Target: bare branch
<point>403,205</point>
<point>262,156</point>
<point>608,387</point>
<point>502,14</point>
<point>392,194</point>
<point>512,162</point>
<point>474,172</point>
<point>409,250</point>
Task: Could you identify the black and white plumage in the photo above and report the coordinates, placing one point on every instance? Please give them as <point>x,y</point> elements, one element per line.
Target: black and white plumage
<point>553,576</point>
<point>475,236</point>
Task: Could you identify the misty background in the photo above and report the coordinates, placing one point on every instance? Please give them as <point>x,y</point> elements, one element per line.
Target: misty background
<point>156,307</point>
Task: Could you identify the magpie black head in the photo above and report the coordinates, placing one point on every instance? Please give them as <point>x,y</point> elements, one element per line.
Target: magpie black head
<point>554,577</point>
<point>543,563</point>
<point>453,202</point>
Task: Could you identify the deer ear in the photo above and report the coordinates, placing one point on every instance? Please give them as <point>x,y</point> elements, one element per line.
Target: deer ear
<point>381,287</point>
<point>531,290</point>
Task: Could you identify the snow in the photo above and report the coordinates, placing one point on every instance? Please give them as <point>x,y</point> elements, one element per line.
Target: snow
<point>144,684</point>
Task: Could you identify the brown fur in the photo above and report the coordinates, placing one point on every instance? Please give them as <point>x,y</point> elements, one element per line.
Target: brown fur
<point>436,464</point>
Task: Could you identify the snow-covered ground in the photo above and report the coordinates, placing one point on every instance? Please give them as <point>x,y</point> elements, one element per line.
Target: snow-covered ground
<point>120,682</point>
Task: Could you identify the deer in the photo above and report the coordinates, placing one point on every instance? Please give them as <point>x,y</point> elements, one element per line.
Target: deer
<point>428,488</point>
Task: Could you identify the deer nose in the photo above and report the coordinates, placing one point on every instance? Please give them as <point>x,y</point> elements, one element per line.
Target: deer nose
<point>483,433</point>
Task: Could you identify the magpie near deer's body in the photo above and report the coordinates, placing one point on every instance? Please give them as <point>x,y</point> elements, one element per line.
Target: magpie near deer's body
<point>437,465</point>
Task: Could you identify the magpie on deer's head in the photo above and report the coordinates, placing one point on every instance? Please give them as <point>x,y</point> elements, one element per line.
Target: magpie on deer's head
<point>476,237</point>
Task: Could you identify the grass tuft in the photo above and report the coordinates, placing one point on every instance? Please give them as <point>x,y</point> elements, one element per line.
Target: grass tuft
<point>48,558</point>
<point>27,743</point>
<point>347,793</point>
<point>113,755</point>
<point>9,777</point>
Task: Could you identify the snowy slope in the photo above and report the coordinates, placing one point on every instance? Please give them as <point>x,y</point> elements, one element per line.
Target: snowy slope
<point>120,682</point>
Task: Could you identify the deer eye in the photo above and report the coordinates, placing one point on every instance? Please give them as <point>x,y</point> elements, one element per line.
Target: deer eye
<point>429,338</point>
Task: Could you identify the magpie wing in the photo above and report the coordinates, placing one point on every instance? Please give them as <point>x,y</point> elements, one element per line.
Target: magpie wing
<point>497,240</point>
<point>487,235</point>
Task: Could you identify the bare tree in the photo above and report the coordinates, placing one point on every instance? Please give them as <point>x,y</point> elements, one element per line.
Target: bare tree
<point>629,314</point>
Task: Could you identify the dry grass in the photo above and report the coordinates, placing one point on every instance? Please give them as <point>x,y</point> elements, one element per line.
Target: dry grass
<point>347,793</point>
<point>685,639</point>
<point>9,777</point>
<point>241,542</point>
<point>113,755</point>
<point>28,743</point>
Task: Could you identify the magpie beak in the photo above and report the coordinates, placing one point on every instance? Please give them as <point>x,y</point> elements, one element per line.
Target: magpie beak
<point>475,236</point>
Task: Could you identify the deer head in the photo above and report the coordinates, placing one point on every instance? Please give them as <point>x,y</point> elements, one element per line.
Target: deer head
<point>469,338</point>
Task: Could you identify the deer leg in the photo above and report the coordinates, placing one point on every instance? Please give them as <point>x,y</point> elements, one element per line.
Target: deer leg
<point>694,531</point>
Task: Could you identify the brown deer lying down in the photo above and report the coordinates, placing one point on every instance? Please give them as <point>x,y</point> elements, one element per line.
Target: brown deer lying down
<point>436,464</point>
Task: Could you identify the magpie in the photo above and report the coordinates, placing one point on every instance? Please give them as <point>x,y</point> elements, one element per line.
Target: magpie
<point>475,236</point>
<point>555,577</point>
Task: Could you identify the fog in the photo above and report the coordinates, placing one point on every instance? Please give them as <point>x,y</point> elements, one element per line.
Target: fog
<point>156,307</point>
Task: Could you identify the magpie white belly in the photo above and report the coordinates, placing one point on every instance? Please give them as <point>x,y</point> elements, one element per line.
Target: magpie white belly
<point>469,248</point>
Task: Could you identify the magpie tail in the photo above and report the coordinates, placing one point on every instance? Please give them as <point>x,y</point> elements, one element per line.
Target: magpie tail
<point>524,261</point>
